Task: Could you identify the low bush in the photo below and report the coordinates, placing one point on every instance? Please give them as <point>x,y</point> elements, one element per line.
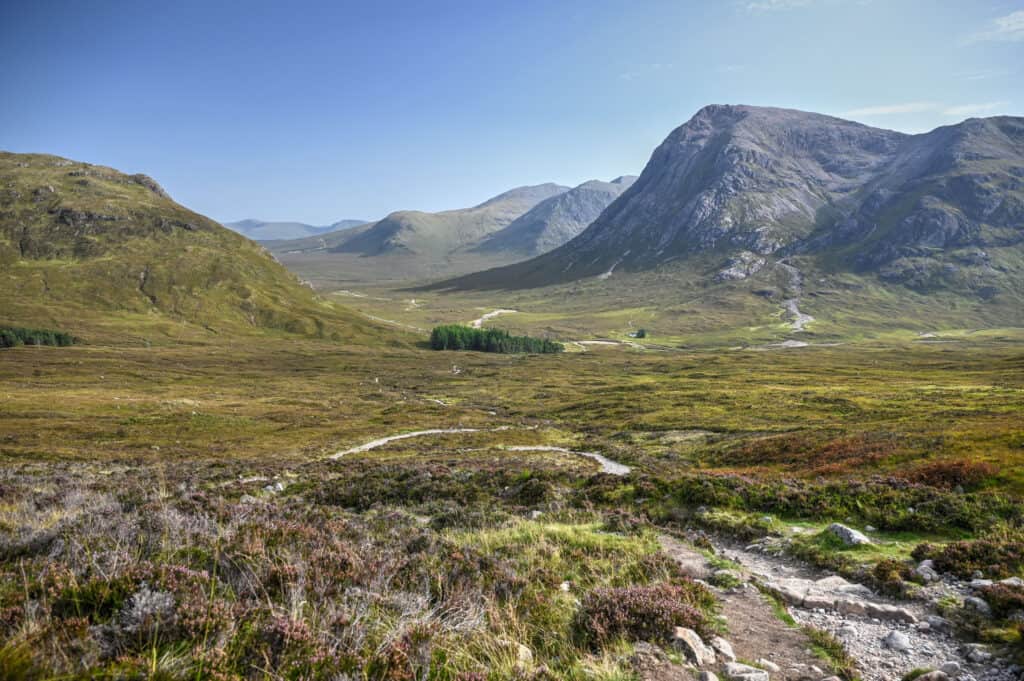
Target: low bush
<point>952,474</point>
<point>640,613</point>
<point>993,558</point>
<point>1004,599</point>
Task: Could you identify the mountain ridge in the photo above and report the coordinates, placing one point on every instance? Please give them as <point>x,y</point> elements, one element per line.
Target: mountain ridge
<point>758,183</point>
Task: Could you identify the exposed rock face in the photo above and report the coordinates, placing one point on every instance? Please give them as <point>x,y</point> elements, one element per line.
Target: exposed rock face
<point>556,220</point>
<point>745,182</point>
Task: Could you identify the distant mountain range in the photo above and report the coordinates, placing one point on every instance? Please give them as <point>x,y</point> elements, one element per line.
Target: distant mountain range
<point>260,230</point>
<point>738,188</point>
<point>509,227</point>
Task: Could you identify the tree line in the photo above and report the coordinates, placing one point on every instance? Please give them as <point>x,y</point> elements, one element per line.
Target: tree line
<point>13,336</point>
<point>458,337</point>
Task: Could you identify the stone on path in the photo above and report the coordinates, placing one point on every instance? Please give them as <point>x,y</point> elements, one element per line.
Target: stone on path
<point>897,640</point>
<point>736,671</point>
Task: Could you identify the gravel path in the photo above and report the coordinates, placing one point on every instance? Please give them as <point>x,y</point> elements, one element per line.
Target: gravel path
<point>930,642</point>
<point>607,465</point>
<point>478,323</point>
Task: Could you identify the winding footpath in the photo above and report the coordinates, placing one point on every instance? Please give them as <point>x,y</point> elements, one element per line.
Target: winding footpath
<point>607,465</point>
<point>478,323</point>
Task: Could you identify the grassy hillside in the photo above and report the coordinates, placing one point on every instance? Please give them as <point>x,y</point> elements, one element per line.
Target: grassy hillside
<point>101,254</point>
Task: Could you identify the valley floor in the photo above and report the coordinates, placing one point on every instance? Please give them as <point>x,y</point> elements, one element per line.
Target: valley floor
<point>294,508</point>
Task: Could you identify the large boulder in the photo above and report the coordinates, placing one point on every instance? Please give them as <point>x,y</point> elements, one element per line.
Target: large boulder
<point>848,535</point>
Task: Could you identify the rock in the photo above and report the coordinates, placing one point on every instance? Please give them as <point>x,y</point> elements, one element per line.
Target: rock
<point>524,656</point>
<point>951,668</point>
<point>891,613</point>
<point>978,605</point>
<point>897,640</point>
<point>851,607</point>
<point>1012,581</point>
<point>848,535</point>
<point>977,574</point>
<point>688,642</point>
<point>977,584</point>
<point>848,631</point>
<point>939,623</point>
<point>707,676</point>
<point>743,672</point>
<point>926,571</point>
<point>768,665</point>
<point>870,528</point>
<point>832,678</point>
<point>933,676</point>
<point>723,648</point>
<point>976,653</point>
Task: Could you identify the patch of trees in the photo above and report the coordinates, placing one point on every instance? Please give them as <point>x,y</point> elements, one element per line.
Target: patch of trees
<point>13,336</point>
<point>458,337</point>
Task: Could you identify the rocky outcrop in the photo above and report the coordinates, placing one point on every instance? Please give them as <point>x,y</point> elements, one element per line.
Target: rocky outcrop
<point>748,182</point>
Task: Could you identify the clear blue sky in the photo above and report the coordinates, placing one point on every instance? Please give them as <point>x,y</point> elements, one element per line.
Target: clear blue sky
<point>316,111</point>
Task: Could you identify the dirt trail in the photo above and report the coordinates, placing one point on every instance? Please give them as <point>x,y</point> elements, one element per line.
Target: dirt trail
<point>478,323</point>
<point>755,631</point>
<point>798,320</point>
<point>862,635</point>
<point>607,465</point>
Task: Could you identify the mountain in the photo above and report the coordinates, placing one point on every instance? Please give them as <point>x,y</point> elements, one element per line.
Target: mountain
<point>556,220</point>
<point>87,249</point>
<point>441,233</point>
<point>738,188</point>
<point>260,230</point>
<point>412,244</point>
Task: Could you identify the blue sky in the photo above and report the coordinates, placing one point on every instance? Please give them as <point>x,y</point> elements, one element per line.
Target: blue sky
<point>328,110</point>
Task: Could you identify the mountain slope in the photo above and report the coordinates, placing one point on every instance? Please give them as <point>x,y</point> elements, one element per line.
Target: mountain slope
<point>737,188</point>
<point>556,220</point>
<point>408,245</point>
<point>85,247</point>
<point>260,230</point>
<point>436,233</point>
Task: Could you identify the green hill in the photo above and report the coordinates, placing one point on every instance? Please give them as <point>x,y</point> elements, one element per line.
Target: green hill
<point>99,253</point>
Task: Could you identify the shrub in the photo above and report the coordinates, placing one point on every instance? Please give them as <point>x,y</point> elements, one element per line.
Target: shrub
<point>1005,599</point>
<point>889,575</point>
<point>952,474</point>
<point>640,613</point>
<point>963,558</point>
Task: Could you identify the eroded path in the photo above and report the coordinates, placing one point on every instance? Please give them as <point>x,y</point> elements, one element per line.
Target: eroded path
<point>478,323</point>
<point>860,619</point>
<point>755,630</point>
<point>607,465</point>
